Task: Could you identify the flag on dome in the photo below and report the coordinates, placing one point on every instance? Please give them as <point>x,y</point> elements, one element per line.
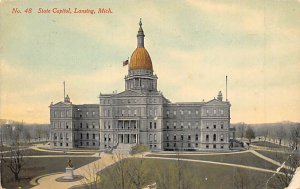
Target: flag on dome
<point>125,62</point>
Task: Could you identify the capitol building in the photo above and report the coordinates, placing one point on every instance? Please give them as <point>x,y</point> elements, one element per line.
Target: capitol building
<point>141,115</point>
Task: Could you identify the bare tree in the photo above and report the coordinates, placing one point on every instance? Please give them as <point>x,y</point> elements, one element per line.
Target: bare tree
<point>137,173</point>
<point>91,178</point>
<point>14,161</point>
<point>249,134</point>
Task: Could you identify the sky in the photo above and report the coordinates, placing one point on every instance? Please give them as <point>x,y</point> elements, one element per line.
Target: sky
<point>193,46</point>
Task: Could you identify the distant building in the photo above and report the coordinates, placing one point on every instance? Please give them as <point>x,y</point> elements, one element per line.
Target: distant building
<point>141,115</point>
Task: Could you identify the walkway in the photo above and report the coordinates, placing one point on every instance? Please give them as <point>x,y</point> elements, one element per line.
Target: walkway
<point>88,171</point>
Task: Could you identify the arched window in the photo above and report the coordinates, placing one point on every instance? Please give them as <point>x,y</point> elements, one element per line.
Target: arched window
<point>104,137</point>
<point>87,136</point>
<point>155,137</point>
<point>214,137</point>
<point>207,138</point>
<point>94,136</point>
<point>150,137</point>
<point>196,137</point>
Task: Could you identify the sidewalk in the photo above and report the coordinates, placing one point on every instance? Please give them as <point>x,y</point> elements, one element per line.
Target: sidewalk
<point>49,182</point>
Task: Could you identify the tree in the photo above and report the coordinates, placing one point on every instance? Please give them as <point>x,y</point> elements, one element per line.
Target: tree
<point>14,161</point>
<point>249,134</point>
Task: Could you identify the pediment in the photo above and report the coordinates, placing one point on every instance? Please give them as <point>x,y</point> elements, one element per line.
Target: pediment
<point>127,93</point>
<point>62,104</point>
<point>215,102</point>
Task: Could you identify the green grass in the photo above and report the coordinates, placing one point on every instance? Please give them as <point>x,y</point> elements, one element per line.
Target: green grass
<point>39,166</point>
<point>268,145</point>
<point>195,175</point>
<point>241,158</point>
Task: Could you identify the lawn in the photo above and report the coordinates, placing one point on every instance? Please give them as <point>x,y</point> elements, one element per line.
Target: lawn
<point>194,175</point>
<point>32,152</point>
<point>39,166</point>
<point>268,144</point>
<point>240,158</point>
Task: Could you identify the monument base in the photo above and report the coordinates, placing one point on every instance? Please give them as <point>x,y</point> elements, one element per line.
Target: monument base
<point>69,175</point>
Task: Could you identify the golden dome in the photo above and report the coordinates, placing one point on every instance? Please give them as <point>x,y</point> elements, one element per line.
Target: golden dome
<point>140,60</point>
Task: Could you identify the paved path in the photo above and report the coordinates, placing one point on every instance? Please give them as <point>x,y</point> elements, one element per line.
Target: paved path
<point>88,171</point>
<point>216,163</point>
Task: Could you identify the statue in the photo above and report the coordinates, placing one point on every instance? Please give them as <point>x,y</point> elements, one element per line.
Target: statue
<point>70,165</point>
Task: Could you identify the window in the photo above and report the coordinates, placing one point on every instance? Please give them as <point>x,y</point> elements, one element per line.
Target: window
<point>197,125</point>
<point>155,112</point>
<point>197,145</point>
<point>189,125</point>
<point>174,112</point>
<point>174,125</point>
<point>94,136</point>
<point>93,114</point>
<point>214,146</point>
<point>167,136</point>
<point>168,113</point>
<point>189,112</point>
<point>215,125</point>
<point>222,146</point>
<point>222,138</point>
<point>197,112</point>
<point>93,125</point>
<point>67,126</point>
<point>214,137</point>
<point>168,144</point>
<point>109,137</point>
<point>189,145</point>
<point>54,143</point>
<point>80,125</point>
<point>174,144</point>
<point>181,112</point>
<point>207,111</point>
<point>87,125</point>
<point>189,137</point>
<point>67,144</point>
<point>207,138</point>
<point>150,112</point>
<point>207,146</point>
<point>150,125</point>
<point>150,137</point>
<point>80,115</point>
<point>174,136</point>
<point>94,144</point>
<point>61,114</point>
<point>87,136</point>
<point>181,125</point>
<point>215,111</point>
<point>207,125</point>
<point>181,137</point>
<point>104,137</point>
<point>87,114</point>
<point>167,125</point>
<point>87,143</point>
<point>61,144</point>
<point>154,125</point>
<point>123,112</point>
<point>196,137</point>
<point>80,135</point>
<point>155,137</point>
<point>135,112</point>
<point>222,112</point>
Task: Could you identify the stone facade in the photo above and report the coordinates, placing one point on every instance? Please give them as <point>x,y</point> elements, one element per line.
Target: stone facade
<point>141,115</point>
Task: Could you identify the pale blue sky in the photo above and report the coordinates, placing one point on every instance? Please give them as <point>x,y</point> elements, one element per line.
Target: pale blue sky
<point>193,45</point>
